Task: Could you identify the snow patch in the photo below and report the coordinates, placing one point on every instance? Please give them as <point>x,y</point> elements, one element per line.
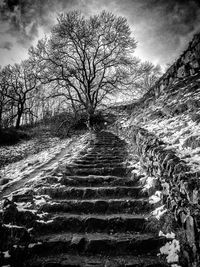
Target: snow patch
<point>6,254</point>
<point>168,235</point>
<point>44,222</point>
<point>158,212</point>
<point>32,245</point>
<point>171,249</point>
<point>148,182</point>
<point>155,198</point>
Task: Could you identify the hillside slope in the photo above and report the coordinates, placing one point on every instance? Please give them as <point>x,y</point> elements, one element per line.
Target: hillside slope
<point>174,117</point>
<point>164,128</point>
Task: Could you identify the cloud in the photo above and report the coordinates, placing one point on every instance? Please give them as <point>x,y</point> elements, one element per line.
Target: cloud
<point>6,45</point>
<point>162,28</point>
<point>166,18</point>
<point>23,18</point>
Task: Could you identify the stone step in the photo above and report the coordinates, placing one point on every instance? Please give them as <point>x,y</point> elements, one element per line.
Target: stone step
<point>107,153</point>
<point>102,157</point>
<point>97,161</point>
<point>108,143</point>
<point>98,244</point>
<point>96,166</point>
<point>92,192</point>
<point>102,206</point>
<point>116,171</point>
<point>70,260</point>
<point>107,137</point>
<point>108,149</point>
<point>73,223</point>
<point>112,144</point>
<point>97,180</point>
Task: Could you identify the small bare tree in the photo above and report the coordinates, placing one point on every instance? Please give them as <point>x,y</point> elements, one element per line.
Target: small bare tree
<point>89,57</point>
<point>144,76</point>
<point>150,75</point>
<point>4,101</point>
<point>21,82</point>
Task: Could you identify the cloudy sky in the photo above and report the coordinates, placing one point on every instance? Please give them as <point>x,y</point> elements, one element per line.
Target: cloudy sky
<point>162,28</point>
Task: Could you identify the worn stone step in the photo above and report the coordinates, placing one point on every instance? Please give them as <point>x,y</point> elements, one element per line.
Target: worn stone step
<point>97,165</point>
<point>71,260</point>
<point>111,146</point>
<point>107,136</point>
<point>102,156</point>
<point>116,171</point>
<point>115,144</point>
<point>106,153</point>
<point>98,244</point>
<point>97,161</point>
<point>97,180</point>
<point>105,206</point>
<point>92,192</point>
<point>74,223</point>
<point>103,159</point>
<point>102,149</point>
<point>109,142</point>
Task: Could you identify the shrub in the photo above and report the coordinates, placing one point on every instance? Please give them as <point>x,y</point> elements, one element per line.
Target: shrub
<point>12,136</point>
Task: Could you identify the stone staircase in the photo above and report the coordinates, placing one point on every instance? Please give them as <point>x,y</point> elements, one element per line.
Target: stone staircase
<point>97,214</point>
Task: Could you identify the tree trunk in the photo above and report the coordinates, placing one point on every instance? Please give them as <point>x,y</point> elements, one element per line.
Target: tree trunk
<point>19,115</point>
<point>90,119</point>
<point>1,111</point>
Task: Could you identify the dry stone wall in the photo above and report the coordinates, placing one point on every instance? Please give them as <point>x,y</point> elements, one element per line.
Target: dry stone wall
<point>180,187</point>
<point>188,64</point>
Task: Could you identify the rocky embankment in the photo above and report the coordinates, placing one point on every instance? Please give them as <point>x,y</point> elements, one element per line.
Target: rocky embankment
<point>175,188</point>
<point>164,128</point>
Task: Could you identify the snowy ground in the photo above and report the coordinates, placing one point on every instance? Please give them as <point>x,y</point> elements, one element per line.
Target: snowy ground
<point>180,133</point>
<point>175,118</point>
<point>37,166</point>
<point>14,153</point>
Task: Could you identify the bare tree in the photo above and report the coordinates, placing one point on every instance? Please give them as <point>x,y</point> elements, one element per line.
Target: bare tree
<point>4,101</point>
<point>144,76</point>
<point>150,76</point>
<point>21,82</point>
<point>88,57</point>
